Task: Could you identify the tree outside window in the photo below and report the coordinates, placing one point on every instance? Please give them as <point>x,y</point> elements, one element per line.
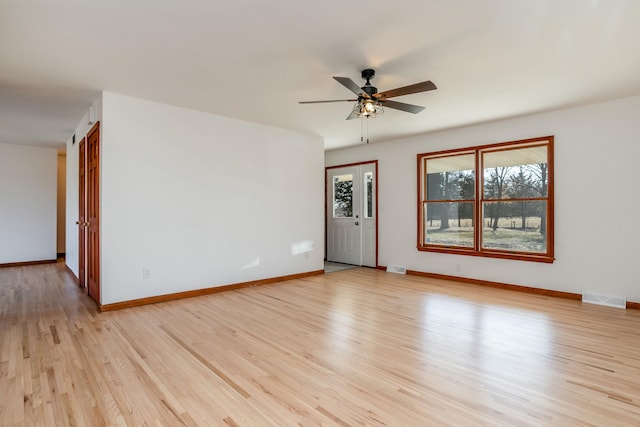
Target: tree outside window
<point>343,196</point>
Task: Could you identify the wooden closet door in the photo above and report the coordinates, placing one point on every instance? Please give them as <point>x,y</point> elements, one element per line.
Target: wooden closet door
<point>93,213</point>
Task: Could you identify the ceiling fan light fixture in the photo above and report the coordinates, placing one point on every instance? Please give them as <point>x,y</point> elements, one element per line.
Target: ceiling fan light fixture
<point>369,101</point>
<point>368,108</point>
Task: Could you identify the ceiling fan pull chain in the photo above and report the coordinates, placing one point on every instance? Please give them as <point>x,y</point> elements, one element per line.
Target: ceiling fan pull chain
<point>367,129</point>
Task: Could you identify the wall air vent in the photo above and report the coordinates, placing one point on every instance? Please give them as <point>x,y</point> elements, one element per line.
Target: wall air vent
<point>608,300</point>
<point>398,269</point>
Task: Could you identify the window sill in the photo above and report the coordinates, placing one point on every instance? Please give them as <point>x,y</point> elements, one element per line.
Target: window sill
<point>544,258</point>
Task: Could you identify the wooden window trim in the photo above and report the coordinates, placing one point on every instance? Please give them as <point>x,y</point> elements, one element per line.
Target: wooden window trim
<point>478,200</point>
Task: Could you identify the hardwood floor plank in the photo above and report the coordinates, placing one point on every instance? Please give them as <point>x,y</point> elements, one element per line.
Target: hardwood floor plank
<point>355,347</point>
<point>206,363</point>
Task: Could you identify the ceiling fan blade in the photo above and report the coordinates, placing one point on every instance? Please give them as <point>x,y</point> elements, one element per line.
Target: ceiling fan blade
<point>353,115</point>
<point>406,90</point>
<point>352,86</point>
<point>332,100</point>
<point>409,108</point>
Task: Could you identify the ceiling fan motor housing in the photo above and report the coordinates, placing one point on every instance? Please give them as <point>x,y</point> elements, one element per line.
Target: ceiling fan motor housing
<point>368,74</point>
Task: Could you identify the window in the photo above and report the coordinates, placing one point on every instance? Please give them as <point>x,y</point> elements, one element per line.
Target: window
<point>368,195</point>
<point>494,200</point>
<point>343,196</point>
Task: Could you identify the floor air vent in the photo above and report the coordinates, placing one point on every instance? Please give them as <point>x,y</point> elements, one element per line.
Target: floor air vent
<point>397,269</point>
<point>608,300</point>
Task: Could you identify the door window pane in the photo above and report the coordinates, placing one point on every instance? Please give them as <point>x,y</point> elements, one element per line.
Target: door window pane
<point>343,196</point>
<point>368,195</point>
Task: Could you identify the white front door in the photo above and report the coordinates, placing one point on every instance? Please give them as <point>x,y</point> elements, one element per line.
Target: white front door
<point>351,214</point>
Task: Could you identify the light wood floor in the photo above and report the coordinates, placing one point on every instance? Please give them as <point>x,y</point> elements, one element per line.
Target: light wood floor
<point>355,347</point>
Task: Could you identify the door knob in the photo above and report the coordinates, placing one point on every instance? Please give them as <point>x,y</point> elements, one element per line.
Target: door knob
<point>357,223</point>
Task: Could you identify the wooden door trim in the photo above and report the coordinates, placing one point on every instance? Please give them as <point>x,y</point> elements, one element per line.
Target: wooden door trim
<point>82,212</point>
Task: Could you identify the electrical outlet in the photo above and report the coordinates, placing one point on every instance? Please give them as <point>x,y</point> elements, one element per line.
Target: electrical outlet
<point>146,273</point>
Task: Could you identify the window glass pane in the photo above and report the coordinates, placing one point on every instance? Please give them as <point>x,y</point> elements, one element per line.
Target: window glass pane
<point>451,178</point>
<point>515,226</point>
<point>515,157</point>
<point>449,224</point>
<point>515,174</point>
<point>343,196</point>
<point>368,195</point>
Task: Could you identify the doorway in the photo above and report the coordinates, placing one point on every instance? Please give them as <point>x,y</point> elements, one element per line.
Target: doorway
<point>89,213</point>
<point>352,214</point>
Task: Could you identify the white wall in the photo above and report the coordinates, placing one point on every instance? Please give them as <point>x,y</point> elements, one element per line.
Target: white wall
<point>27,203</point>
<point>61,201</point>
<point>597,150</point>
<point>201,200</point>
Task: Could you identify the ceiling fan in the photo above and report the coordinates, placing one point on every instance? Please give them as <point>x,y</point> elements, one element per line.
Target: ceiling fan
<point>370,102</point>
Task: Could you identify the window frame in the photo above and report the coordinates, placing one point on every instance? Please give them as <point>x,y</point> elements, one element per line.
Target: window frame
<point>479,200</point>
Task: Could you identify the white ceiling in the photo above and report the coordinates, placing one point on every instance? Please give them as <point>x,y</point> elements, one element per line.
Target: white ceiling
<point>255,60</point>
